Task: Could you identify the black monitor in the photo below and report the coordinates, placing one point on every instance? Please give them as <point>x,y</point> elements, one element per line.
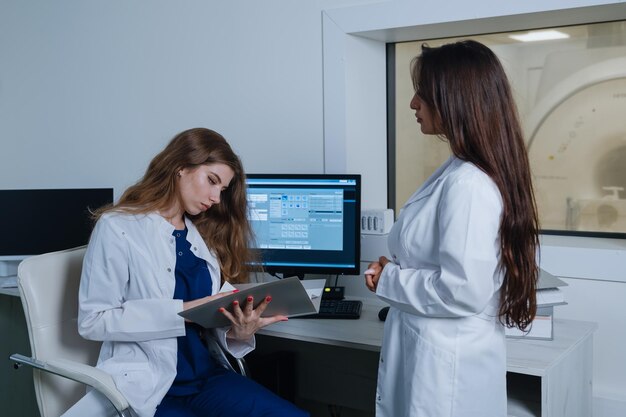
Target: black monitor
<point>40,221</point>
<point>306,223</point>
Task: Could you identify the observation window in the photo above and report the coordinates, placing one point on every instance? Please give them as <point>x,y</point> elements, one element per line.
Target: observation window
<point>569,84</point>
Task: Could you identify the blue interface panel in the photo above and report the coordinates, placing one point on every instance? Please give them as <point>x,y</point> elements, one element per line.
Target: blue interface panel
<point>305,221</point>
<point>297,218</point>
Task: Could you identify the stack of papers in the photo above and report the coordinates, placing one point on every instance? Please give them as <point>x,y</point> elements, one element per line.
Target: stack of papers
<point>548,295</point>
<point>548,291</point>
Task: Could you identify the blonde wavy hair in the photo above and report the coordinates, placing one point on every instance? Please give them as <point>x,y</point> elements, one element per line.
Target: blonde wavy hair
<point>224,227</point>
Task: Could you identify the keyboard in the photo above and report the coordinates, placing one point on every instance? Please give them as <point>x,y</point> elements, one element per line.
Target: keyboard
<point>337,309</point>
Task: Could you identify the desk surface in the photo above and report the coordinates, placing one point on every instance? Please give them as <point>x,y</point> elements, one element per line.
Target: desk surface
<point>11,290</point>
<point>531,357</point>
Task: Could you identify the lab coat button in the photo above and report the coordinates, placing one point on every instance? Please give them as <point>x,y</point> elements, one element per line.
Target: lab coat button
<point>169,269</point>
<point>378,398</point>
<point>194,248</point>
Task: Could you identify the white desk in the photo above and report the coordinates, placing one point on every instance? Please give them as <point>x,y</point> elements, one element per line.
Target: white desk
<point>545,378</point>
<point>8,290</point>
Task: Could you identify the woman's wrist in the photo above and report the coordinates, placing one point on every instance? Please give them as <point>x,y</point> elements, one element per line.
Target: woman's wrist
<point>231,335</point>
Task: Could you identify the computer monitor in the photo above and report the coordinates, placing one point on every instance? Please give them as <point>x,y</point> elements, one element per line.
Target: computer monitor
<point>306,224</point>
<point>47,220</point>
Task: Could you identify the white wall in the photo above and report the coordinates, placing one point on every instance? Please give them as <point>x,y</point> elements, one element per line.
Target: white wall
<point>89,91</point>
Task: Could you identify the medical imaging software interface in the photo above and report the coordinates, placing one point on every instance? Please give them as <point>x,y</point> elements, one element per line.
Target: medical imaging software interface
<point>300,217</point>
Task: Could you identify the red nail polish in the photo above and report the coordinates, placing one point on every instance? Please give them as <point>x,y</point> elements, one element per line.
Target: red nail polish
<point>268,298</point>
<point>249,298</point>
<point>235,302</point>
<point>234,291</point>
<point>221,309</point>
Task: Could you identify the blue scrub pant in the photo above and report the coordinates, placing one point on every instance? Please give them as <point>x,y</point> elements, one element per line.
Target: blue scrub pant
<point>228,394</point>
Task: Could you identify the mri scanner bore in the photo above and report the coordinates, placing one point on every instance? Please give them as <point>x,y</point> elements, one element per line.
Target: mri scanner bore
<point>578,154</point>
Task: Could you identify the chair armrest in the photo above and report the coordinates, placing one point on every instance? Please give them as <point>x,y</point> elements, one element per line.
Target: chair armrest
<point>79,372</point>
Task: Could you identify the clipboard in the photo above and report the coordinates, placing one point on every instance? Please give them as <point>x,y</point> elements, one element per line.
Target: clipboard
<point>289,298</point>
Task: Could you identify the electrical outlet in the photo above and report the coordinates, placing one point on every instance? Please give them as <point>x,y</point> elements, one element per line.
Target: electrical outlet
<point>376,222</point>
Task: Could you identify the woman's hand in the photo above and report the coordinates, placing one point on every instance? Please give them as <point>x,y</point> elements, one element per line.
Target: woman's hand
<point>246,321</point>
<point>372,274</point>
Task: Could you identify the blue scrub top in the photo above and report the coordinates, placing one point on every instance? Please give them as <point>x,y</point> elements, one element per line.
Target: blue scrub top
<point>193,280</point>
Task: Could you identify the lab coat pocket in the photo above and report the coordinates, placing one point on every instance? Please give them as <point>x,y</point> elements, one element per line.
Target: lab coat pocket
<point>134,380</point>
<point>429,373</point>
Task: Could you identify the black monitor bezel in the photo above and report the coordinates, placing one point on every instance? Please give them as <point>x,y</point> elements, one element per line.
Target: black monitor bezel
<point>330,270</point>
<point>39,217</point>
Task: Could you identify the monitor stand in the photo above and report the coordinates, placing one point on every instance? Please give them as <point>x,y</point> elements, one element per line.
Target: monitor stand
<point>282,276</point>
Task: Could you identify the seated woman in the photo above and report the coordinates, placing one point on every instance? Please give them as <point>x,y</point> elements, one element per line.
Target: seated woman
<point>168,245</point>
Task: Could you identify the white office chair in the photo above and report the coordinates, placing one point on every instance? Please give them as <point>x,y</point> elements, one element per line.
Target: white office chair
<point>62,360</point>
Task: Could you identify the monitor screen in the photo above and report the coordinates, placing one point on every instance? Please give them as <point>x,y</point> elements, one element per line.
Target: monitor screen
<point>40,221</point>
<point>306,223</point>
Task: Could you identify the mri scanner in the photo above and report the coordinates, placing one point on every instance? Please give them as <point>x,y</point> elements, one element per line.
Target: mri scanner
<point>577,147</point>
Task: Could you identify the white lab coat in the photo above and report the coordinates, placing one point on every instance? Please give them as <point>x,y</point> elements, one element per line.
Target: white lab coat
<point>126,301</point>
<point>444,351</point>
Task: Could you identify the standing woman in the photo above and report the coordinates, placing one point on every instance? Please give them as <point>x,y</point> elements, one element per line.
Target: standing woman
<point>168,245</point>
<point>464,246</point>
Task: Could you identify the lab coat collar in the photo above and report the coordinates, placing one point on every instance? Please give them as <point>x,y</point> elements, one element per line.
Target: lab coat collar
<point>193,237</point>
<point>427,188</point>
<point>163,225</point>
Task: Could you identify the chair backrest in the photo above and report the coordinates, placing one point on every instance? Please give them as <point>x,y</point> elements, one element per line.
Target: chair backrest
<point>48,285</point>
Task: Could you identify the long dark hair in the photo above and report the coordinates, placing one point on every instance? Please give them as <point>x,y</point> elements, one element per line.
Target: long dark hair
<point>470,98</point>
<point>224,227</point>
